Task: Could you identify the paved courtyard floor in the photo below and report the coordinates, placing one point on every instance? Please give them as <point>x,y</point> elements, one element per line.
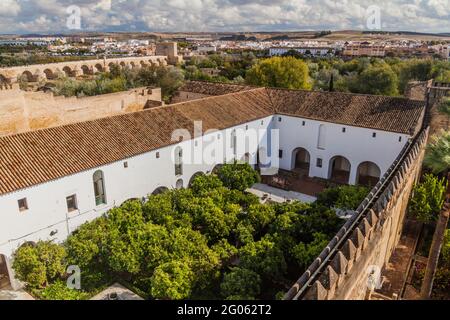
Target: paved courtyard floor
<point>15,295</point>
<point>279,195</point>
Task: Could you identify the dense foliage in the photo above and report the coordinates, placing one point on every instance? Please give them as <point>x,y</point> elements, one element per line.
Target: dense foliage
<point>169,79</point>
<point>343,197</point>
<point>388,76</point>
<point>283,72</point>
<point>239,176</point>
<point>428,198</point>
<point>38,265</point>
<point>193,243</point>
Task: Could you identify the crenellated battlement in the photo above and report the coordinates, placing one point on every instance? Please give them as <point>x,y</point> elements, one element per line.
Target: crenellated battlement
<point>367,239</point>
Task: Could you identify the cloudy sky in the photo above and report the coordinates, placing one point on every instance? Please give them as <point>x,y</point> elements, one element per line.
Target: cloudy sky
<point>52,16</point>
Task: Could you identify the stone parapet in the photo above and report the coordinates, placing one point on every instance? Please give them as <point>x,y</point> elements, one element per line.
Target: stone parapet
<point>366,241</point>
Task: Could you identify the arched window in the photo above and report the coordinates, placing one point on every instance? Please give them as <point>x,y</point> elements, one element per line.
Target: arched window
<point>99,188</point>
<point>180,184</point>
<point>234,141</point>
<point>178,161</point>
<point>321,143</point>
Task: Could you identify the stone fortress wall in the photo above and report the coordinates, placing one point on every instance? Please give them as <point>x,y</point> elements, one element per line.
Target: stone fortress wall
<point>363,246</point>
<point>22,111</point>
<point>38,72</point>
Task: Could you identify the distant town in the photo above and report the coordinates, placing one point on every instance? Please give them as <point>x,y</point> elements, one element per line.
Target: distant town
<point>322,44</point>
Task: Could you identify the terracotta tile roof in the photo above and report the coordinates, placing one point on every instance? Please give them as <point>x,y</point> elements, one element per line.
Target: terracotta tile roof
<point>36,157</point>
<point>213,88</point>
<point>376,112</point>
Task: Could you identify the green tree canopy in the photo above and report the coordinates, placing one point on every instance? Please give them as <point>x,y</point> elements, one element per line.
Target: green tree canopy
<point>305,254</point>
<point>238,176</point>
<point>377,79</point>
<point>37,265</point>
<point>172,280</point>
<point>242,283</point>
<point>428,198</point>
<point>263,257</point>
<point>282,72</point>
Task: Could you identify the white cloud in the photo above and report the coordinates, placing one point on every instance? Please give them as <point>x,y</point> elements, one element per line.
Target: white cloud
<point>223,15</point>
<point>9,7</point>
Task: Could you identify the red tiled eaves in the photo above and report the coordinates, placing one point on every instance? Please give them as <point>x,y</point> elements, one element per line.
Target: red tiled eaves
<point>31,158</point>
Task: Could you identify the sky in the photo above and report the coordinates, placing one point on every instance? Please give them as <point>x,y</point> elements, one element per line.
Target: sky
<point>63,16</point>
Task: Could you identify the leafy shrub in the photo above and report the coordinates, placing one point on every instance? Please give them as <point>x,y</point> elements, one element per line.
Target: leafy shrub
<point>238,176</point>
<point>240,283</point>
<point>60,291</point>
<point>263,257</point>
<point>306,253</point>
<point>172,280</point>
<point>343,197</point>
<point>37,265</point>
<point>428,198</point>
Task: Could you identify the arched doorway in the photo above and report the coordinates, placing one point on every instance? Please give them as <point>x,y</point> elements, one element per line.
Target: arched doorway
<point>216,169</point>
<point>67,71</point>
<point>262,158</point>
<point>3,79</point>
<point>49,74</point>
<point>159,190</point>
<point>99,67</point>
<point>4,274</point>
<point>27,76</point>
<point>246,158</point>
<point>195,175</point>
<point>368,174</point>
<point>301,161</point>
<point>86,70</point>
<point>339,170</point>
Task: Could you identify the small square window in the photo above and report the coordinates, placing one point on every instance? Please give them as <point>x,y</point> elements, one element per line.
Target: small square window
<point>157,155</point>
<point>218,136</point>
<point>125,164</point>
<point>344,130</point>
<point>280,154</point>
<point>304,123</point>
<point>196,143</point>
<point>399,139</point>
<point>374,135</point>
<point>23,204</point>
<point>279,119</point>
<point>72,203</point>
<point>262,122</point>
<point>246,127</point>
<point>319,163</point>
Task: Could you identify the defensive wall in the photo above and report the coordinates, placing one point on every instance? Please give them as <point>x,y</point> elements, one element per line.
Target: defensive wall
<point>352,262</point>
<point>22,111</point>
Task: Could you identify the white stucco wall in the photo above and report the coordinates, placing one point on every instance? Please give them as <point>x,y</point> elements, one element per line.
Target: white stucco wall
<point>356,144</point>
<point>47,202</point>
